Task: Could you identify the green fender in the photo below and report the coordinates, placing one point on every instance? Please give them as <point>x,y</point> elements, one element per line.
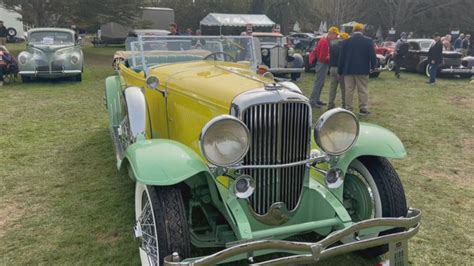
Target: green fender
<point>162,162</point>
<point>113,93</point>
<point>373,141</point>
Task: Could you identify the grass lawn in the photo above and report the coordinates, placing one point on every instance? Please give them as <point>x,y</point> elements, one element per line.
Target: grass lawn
<point>63,202</point>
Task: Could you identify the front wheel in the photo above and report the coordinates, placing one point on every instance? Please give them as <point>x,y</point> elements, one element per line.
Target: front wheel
<point>372,189</point>
<point>390,64</point>
<point>427,70</point>
<point>161,223</point>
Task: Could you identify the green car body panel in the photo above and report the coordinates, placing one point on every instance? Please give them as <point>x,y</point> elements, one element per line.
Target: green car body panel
<point>162,162</point>
<point>373,141</point>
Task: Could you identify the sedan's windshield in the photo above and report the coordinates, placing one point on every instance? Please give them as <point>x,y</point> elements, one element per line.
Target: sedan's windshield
<point>269,39</point>
<point>425,45</point>
<point>148,51</point>
<point>50,37</point>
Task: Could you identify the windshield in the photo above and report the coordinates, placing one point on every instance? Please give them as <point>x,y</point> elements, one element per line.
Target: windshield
<point>50,37</point>
<point>149,51</point>
<point>388,44</point>
<point>269,39</point>
<point>425,45</point>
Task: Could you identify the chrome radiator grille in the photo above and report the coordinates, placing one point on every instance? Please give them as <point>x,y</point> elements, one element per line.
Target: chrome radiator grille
<point>280,134</point>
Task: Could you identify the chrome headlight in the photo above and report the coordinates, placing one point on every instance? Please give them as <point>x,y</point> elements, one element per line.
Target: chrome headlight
<point>152,82</point>
<point>336,131</point>
<point>265,52</point>
<point>74,59</point>
<point>224,140</point>
<point>291,51</point>
<point>23,58</point>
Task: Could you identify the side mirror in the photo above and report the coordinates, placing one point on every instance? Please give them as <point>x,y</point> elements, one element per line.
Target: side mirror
<point>79,41</point>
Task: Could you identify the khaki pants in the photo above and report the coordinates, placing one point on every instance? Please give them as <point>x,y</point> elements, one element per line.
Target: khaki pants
<point>335,80</point>
<point>3,41</point>
<point>359,83</point>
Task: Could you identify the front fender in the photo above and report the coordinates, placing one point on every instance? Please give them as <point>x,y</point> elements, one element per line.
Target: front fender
<point>162,162</point>
<point>373,141</point>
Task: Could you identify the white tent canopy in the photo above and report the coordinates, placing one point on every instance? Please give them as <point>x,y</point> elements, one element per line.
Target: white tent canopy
<point>236,20</point>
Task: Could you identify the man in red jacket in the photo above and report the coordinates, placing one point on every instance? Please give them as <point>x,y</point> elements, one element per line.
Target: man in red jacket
<point>321,54</point>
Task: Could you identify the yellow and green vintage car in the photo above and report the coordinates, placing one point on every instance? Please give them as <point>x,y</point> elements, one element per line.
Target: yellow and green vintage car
<point>223,158</point>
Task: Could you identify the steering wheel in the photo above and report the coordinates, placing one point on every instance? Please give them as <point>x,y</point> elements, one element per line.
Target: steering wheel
<point>226,56</point>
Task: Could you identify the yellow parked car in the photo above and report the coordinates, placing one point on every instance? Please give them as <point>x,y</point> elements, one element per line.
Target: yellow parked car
<point>222,157</point>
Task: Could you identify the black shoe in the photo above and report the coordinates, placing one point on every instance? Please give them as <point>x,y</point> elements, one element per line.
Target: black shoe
<point>364,113</point>
<point>321,103</point>
<point>397,75</point>
<point>315,105</point>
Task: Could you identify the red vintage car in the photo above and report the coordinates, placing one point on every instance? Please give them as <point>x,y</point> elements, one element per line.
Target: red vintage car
<point>385,49</point>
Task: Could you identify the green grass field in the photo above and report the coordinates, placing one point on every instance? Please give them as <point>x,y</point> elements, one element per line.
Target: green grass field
<point>63,202</point>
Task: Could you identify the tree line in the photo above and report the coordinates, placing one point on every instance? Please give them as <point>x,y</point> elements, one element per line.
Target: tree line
<point>420,16</point>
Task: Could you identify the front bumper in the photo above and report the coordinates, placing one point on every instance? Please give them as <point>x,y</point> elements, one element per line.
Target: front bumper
<point>62,73</point>
<point>313,252</point>
<point>285,70</point>
<point>457,70</point>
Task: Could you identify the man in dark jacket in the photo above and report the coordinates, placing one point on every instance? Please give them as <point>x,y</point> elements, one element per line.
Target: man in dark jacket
<point>401,50</point>
<point>334,50</point>
<point>435,57</point>
<point>356,60</point>
<point>3,34</point>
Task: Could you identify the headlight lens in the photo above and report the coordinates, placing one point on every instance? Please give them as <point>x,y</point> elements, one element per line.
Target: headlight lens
<point>291,51</point>
<point>74,59</point>
<point>265,52</point>
<point>22,58</point>
<point>152,82</point>
<point>336,131</point>
<point>224,140</point>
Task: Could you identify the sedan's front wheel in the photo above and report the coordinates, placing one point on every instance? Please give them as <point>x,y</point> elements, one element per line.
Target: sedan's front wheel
<point>372,189</point>
<point>161,223</point>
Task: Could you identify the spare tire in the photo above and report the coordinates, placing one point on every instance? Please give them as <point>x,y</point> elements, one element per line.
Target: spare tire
<point>11,32</point>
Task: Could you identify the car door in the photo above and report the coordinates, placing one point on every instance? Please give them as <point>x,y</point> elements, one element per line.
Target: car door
<point>413,57</point>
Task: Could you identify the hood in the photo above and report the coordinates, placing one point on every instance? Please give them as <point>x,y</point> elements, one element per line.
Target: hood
<point>209,81</point>
<point>451,54</point>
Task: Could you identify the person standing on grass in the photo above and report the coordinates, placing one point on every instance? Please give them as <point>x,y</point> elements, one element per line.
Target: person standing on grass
<point>458,42</point>
<point>466,43</point>
<point>3,34</point>
<point>401,50</point>
<point>321,54</point>
<point>435,57</point>
<point>334,50</point>
<point>356,60</point>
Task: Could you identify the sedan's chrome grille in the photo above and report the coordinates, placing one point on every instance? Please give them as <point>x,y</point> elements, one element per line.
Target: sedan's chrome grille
<point>280,134</point>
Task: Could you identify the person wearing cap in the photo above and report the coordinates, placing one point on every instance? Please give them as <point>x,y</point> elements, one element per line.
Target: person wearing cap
<point>3,34</point>
<point>435,57</point>
<point>356,60</point>
<point>334,50</point>
<point>321,54</point>
<point>401,50</point>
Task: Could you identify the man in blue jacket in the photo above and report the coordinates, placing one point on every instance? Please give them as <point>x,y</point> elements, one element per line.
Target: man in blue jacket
<point>356,60</point>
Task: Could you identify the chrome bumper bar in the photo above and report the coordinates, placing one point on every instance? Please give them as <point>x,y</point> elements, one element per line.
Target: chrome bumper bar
<point>285,70</point>
<point>457,70</point>
<point>313,252</point>
<point>50,72</point>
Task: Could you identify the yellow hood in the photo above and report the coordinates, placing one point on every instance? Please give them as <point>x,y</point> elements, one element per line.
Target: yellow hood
<point>216,83</point>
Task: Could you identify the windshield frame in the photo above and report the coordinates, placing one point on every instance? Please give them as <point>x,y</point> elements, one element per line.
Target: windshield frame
<point>135,45</point>
<point>52,33</point>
